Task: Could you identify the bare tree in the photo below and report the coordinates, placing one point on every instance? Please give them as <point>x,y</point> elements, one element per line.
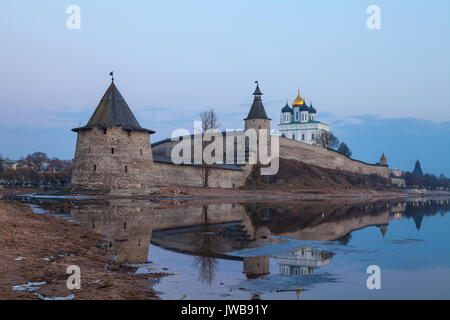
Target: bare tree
<point>209,121</point>
<point>327,140</point>
<point>209,124</point>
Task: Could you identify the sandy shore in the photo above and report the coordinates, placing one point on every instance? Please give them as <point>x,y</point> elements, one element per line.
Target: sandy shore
<point>38,248</point>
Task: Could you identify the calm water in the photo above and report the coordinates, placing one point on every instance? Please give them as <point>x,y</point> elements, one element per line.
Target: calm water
<point>298,250</point>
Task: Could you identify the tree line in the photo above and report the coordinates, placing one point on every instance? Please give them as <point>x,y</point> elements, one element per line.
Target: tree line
<point>328,140</point>
<point>33,171</point>
<point>426,181</point>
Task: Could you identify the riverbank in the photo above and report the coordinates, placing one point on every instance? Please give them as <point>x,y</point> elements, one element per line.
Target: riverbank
<point>37,248</point>
<point>236,195</point>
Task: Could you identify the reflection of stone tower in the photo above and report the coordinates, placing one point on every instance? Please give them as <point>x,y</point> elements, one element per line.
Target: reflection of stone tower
<point>126,224</point>
<point>113,151</point>
<point>257,118</point>
<point>255,267</point>
<point>383,229</point>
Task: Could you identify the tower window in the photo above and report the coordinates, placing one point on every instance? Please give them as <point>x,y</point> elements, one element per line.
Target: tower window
<point>141,152</point>
<point>89,150</point>
<point>313,136</point>
<point>303,136</point>
<point>95,167</point>
<point>126,169</point>
<point>112,150</point>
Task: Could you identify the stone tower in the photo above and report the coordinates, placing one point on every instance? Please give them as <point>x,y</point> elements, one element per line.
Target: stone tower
<point>113,152</point>
<point>383,160</point>
<point>257,119</point>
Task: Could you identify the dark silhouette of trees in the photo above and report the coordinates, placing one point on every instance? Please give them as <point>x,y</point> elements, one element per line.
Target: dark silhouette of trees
<point>428,181</point>
<point>344,149</point>
<point>1,164</point>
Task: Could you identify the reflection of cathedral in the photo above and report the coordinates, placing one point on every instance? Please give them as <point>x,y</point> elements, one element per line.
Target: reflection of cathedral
<point>303,261</point>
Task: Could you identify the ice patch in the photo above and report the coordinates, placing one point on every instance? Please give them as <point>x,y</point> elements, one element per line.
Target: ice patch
<point>30,286</point>
<point>42,297</point>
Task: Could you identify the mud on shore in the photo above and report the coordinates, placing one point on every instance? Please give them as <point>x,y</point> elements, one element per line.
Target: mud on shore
<point>38,248</point>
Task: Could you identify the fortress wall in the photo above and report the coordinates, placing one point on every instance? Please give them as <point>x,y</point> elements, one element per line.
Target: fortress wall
<point>321,157</point>
<point>166,174</point>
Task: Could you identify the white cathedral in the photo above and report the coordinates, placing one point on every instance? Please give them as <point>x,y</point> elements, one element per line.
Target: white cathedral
<point>299,122</point>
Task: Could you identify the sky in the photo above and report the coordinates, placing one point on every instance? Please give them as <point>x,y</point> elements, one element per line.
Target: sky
<point>380,90</point>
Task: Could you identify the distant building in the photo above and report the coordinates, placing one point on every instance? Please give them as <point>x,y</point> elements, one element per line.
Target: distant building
<point>396,173</point>
<point>299,122</point>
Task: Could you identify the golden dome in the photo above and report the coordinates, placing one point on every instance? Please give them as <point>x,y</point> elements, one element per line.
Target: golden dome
<point>299,100</point>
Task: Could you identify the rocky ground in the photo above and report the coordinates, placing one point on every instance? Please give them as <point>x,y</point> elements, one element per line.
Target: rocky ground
<point>38,249</point>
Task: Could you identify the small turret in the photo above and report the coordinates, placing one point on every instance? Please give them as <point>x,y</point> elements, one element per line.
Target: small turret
<point>383,160</point>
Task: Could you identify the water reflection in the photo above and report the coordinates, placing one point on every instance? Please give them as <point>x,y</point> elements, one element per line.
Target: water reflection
<point>213,233</point>
<point>209,232</point>
<point>303,261</point>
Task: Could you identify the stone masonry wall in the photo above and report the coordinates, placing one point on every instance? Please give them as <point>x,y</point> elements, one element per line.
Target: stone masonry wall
<point>131,166</point>
<point>98,166</point>
<point>166,174</point>
<point>291,149</point>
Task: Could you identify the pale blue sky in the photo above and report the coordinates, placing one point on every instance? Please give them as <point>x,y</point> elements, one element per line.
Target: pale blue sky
<point>173,59</point>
